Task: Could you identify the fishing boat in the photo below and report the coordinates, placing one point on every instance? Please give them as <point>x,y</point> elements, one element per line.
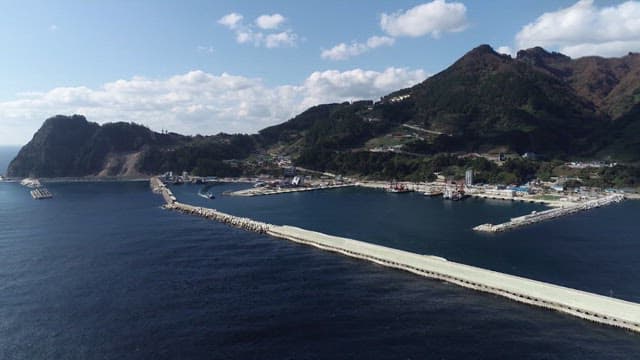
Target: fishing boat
<point>433,192</point>
<point>453,193</point>
<point>397,188</point>
<point>206,193</point>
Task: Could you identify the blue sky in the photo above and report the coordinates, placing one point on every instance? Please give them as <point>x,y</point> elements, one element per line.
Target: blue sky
<point>176,65</point>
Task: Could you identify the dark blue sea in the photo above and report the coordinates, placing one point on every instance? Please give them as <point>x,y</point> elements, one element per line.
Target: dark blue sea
<point>7,153</point>
<point>102,272</point>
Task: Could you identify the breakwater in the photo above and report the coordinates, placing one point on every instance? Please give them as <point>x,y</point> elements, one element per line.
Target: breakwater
<point>549,214</point>
<point>212,214</point>
<point>262,191</point>
<point>593,307</point>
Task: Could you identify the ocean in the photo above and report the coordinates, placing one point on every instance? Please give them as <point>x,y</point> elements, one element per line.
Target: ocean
<point>7,153</point>
<point>102,272</point>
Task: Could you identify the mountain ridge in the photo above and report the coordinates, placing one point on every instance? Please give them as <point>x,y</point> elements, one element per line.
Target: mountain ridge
<point>537,101</point>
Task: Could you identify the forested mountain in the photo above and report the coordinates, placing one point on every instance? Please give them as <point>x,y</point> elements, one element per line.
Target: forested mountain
<point>538,101</point>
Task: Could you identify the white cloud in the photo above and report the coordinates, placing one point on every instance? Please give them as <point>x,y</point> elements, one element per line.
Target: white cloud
<point>231,20</point>
<point>586,29</point>
<point>281,39</point>
<point>198,102</point>
<point>248,34</point>
<point>343,51</point>
<point>432,18</point>
<point>205,49</point>
<point>269,22</point>
<point>377,41</point>
<point>506,50</point>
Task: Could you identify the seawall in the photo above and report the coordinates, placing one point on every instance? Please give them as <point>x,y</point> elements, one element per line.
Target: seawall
<point>549,214</point>
<point>589,306</point>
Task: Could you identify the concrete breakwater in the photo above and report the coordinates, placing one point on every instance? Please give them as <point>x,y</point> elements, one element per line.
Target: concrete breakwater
<point>261,191</point>
<point>578,303</point>
<point>549,214</point>
<point>593,307</point>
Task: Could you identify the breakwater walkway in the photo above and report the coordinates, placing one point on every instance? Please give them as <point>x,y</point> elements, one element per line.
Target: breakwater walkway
<point>539,216</point>
<point>593,307</point>
<point>261,191</point>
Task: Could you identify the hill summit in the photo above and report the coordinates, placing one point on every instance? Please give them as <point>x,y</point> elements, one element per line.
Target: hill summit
<point>539,101</point>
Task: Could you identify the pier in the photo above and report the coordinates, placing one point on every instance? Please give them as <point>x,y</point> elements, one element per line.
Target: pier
<point>539,216</point>
<point>589,306</point>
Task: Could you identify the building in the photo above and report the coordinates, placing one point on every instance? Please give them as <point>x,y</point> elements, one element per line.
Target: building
<point>468,177</point>
<point>297,181</point>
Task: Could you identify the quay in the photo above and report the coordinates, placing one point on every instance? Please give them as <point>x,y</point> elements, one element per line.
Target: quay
<point>553,203</point>
<point>535,217</point>
<point>597,308</point>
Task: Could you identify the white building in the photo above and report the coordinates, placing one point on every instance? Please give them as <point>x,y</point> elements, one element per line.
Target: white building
<point>468,177</point>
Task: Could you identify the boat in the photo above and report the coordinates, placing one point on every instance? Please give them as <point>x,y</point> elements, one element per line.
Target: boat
<point>434,191</point>
<point>178,181</point>
<point>397,188</point>
<point>205,193</point>
<point>451,193</point>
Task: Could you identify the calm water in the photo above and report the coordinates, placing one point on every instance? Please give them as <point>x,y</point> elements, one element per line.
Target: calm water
<point>101,272</point>
<point>7,153</point>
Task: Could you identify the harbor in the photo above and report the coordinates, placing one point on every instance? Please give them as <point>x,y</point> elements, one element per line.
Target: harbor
<point>597,308</point>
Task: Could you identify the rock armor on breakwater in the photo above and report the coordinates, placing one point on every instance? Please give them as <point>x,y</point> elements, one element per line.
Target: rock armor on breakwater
<point>589,306</point>
<point>212,214</point>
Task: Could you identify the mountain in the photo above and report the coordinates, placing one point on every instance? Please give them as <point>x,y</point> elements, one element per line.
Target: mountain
<point>539,101</point>
<point>487,100</point>
<point>612,85</point>
<point>70,146</point>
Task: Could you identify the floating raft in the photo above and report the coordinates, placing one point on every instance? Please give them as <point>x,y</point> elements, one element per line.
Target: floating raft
<point>41,194</point>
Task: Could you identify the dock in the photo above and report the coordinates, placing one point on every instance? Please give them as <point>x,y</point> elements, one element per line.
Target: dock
<point>538,216</point>
<point>593,307</point>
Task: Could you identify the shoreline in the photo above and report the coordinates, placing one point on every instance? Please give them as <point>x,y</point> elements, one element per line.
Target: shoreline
<point>593,307</point>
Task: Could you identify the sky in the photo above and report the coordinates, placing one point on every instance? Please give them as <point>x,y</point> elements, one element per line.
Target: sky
<point>204,67</point>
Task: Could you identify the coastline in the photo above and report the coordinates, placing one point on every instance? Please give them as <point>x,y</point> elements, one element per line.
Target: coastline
<point>581,304</point>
